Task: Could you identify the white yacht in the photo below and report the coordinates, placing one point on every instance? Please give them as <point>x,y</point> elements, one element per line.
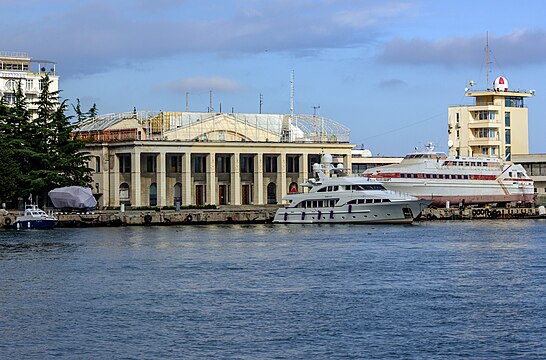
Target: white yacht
<point>334,198</point>
<point>433,175</point>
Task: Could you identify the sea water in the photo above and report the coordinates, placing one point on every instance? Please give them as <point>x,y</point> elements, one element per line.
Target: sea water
<point>438,290</point>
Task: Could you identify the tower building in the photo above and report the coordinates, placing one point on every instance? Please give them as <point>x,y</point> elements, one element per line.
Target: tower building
<point>496,125</point>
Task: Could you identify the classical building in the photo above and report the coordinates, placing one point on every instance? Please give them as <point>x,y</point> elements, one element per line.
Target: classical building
<point>167,158</point>
<point>18,67</point>
<point>495,125</point>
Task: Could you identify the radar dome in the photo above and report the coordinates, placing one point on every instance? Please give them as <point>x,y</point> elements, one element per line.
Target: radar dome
<point>326,159</point>
<point>500,84</point>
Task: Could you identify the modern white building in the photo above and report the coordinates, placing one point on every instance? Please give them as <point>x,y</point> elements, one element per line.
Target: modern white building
<point>19,67</point>
<point>147,159</point>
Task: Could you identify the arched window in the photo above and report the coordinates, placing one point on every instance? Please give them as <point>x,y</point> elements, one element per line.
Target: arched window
<point>153,194</point>
<point>177,193</point>
<point>293,187</point>
<point>124,194</point>
<point>271,193</point>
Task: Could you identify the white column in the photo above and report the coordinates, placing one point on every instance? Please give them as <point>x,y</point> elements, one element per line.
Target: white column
<point>211,179</point>
<point>259,179</point>
<point>304,174</point>
<point>161,179</point>
<point>236,179</point>
<point>187,184</point>
<point>136,189</point>
<point>281,171</point>
<point>115,180</point>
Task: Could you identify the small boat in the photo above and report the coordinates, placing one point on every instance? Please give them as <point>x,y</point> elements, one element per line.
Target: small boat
<point>34,218</point>
<point>334,198</point>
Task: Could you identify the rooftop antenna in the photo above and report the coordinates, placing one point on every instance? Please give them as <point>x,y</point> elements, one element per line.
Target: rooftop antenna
<point>187,101</point>
<point>315,110</point>
<point>210,101</point>
<point>261,102</point>
<point>292,96</point>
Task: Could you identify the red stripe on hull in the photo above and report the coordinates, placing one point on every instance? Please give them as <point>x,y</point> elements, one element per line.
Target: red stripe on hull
<point>477,199</point>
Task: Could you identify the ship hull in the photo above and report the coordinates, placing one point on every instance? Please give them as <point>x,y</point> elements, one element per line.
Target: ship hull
<point>45,224</point>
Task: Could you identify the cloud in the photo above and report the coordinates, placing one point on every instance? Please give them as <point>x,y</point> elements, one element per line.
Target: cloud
<point>392,83</point>
<point>521,47</point>
<point>214,83</point>
<point>94,35</point>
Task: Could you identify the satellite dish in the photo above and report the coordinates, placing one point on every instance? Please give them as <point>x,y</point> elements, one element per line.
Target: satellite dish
<point>450,144</point>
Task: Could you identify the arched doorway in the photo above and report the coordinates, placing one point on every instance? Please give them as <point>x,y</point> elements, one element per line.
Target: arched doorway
<point>177,193</point>
<point>124,194</point>
<point>293,187</point>
<point>153,194</point>
<point>271,193</point>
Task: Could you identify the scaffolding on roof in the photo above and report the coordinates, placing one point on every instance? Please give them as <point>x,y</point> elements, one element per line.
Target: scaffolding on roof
<point>192,126</point>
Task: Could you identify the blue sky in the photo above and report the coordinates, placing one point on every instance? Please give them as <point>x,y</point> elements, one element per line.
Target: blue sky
<point>386,69</point>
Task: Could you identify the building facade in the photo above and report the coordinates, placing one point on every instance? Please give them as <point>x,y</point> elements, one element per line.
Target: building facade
<point>18,67</point>
<point>148,159</point>
<point>496,125</point>
<point>535,166</point>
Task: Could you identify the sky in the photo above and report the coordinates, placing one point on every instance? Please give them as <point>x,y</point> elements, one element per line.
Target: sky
<point>388,70</point>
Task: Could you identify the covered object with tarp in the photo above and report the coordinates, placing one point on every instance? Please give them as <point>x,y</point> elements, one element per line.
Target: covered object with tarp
<point>72,197</point>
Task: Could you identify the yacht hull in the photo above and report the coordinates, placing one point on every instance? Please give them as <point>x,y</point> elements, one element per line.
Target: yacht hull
<point>399,212</point>
<point>45,224</point>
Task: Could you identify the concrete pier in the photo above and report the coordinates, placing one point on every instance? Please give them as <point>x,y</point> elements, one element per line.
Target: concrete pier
<point>247,215</point>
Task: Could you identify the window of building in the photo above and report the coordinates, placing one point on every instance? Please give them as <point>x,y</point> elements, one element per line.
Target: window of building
<point>153,194</point>
<point>175,163</point>
<point>270,163</point>
<point>11,85</point>
<point>199,164</point>
<point>9,98</point>
<point>292,163</point>
<point>458,116</point>
<point>151,163</point>
<point>508,151</point>
<point>125,163</point>
<point>29,84</point>
<point>507,136</point>
<point>223,164</point>
<point>458,134</point>
<point>507,119</point>
<point>513,101</point>
<point>493,151</point>
<point>247,164</point>
<point>97,164</point>
<point>485,115</point>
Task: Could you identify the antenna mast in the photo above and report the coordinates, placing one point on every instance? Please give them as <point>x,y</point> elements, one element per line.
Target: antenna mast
<point>487,60</point>
<point>292,98</point>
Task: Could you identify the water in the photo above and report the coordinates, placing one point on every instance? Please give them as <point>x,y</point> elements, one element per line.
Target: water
<point>440,290</point>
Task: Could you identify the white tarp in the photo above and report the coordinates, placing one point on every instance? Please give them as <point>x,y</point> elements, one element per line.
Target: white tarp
<point>73,197</point>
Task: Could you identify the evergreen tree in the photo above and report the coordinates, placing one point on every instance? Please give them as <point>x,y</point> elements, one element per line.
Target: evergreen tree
<point>80,116</point>
<point>93,111</point>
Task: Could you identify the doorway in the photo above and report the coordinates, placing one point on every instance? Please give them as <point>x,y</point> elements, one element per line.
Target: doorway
<point>199,194</point>
<point>222,195</point>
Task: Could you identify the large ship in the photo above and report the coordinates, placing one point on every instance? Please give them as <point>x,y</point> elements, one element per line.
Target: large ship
<point>455,180</point>
<point>334,198</point>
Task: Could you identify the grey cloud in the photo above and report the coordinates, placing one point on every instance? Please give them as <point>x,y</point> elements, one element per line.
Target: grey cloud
<point>517,48</point>
<point>392,83</point>
<point>96,34</point>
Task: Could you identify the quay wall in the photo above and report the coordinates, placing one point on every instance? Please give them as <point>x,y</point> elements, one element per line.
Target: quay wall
<point>249,215</point>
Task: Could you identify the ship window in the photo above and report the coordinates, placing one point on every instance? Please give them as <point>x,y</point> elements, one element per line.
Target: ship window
<point>465,177</point>
<point>369,201</point>
<point>376,200</point>
<point>386,200</point>
<point>402,175</point>
<point>336,188</point>
<point>466,163</point>
<point>434,176</point>
<point>333,203</point>
<point>322,189</point>
<point>352,201</point>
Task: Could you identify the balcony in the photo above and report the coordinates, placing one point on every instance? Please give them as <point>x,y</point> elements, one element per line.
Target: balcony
<point>476,124</point>
<point>484,107</point>
<point>484,142</point>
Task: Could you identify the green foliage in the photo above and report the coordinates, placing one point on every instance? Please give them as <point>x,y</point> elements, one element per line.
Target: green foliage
<point>37,151</point>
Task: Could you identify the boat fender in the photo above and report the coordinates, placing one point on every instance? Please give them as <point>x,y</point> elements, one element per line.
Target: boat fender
<point>303,215</point>
<point>331,214</point>
<point>147,219</point>
<point>319,214</point>
<point>285,216</point>
<point>189,218</point>
<point>350,208</point>
<point>474,212</point>
<point>7,221</point>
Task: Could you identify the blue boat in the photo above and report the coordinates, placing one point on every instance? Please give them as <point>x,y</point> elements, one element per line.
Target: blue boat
<point>34,218</point>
